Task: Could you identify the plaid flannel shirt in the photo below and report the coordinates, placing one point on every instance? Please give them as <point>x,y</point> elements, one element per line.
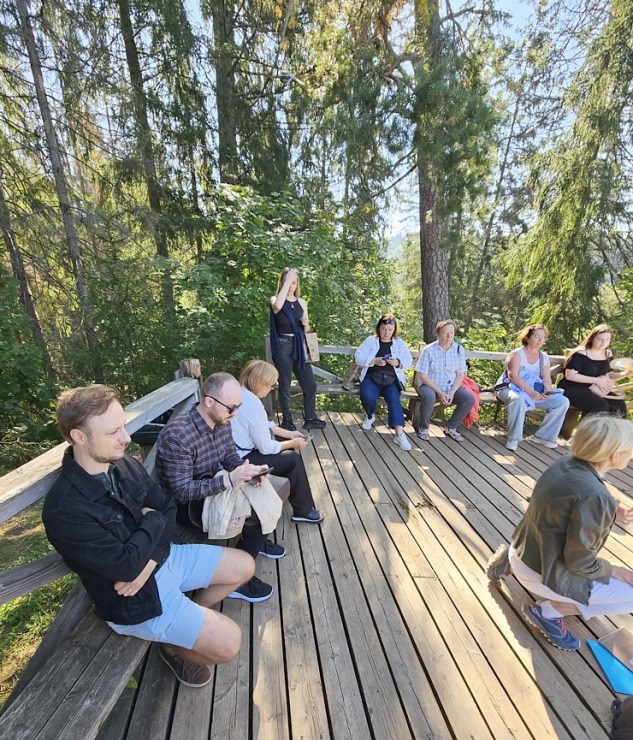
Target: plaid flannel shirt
<point>188,449</point>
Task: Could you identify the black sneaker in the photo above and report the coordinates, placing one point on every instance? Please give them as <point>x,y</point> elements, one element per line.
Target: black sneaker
<point>314,424</point>
<point>272,550</point>
<point>288,424</point>
<point>253,591</point>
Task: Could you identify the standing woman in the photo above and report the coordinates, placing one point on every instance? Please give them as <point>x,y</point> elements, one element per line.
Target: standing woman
<point>288,325</point>
<point>384,359</point>
<point>260,440</point>
<point>590,364</point>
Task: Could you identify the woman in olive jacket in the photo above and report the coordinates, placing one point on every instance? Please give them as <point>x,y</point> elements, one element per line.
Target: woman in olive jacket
<point>554,551</point>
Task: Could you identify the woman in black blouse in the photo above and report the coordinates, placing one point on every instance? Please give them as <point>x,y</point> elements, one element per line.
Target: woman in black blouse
<point>590,364</point>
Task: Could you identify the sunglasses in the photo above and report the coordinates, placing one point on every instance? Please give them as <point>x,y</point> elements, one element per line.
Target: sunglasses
<point>388,321</point>
<point>230,409</point>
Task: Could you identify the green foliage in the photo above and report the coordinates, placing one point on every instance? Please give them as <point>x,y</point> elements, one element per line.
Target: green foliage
<point>225,299</point>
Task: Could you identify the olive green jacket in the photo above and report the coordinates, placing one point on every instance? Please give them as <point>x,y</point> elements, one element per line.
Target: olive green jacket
<point>567,522</point>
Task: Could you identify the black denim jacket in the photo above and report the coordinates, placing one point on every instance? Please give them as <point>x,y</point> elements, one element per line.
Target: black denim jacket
<point>105,539</point>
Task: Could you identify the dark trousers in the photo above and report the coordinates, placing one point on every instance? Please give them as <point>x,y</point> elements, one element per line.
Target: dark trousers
<point>370,392</point>
<point>590,403</point>
<point>286,366</point>
<point>288,464</point>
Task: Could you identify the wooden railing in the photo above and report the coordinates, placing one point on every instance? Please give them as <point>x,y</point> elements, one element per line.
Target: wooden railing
<point>30,482</point>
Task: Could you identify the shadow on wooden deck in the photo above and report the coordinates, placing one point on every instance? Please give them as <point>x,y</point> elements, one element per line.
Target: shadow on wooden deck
<point>383,624</point>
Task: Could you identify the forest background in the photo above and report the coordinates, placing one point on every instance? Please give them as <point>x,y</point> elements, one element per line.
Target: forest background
<point>161,162</point>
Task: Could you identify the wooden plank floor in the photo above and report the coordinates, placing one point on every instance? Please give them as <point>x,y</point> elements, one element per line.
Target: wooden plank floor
<point>383,624</point>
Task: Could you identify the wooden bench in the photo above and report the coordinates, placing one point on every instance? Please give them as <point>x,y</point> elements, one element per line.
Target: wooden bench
<point>81,666</point>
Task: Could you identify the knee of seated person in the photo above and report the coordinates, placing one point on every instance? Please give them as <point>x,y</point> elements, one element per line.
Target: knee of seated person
<point>231,642</point>
<point>244,566</point>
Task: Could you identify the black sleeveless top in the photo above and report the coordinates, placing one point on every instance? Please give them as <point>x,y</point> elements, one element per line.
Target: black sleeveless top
<point>282,322</point>
<point>383,349</point>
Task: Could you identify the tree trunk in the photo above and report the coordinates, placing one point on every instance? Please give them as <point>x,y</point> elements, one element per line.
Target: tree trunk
<point>60,184</point>
<point>433,258</point>
<point>144,136</point>
<point>24,292</point>
<point>224,45</point>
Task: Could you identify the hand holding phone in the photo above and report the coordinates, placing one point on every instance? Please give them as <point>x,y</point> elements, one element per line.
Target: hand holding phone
<point>257,478</point>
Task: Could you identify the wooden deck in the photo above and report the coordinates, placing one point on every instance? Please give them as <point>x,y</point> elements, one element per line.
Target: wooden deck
<point>383,624</point>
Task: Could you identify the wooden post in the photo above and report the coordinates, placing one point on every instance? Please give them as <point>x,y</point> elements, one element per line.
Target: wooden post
<point>271,401</point>
<point>189,368</point>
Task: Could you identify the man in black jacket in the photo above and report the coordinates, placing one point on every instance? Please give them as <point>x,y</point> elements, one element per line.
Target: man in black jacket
<point>113,526</point>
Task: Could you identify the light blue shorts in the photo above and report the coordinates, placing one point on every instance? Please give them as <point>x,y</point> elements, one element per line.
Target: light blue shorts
<point>188,567</point>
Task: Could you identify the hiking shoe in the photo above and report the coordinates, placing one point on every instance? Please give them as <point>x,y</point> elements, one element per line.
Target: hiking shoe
<point>369,422</point>
<point>315,516</point>
<point>272,550</point>
<point>498,566</point>
<point>253,591</point>
<point>402,441</point>
<point>454,434</point>
<point>512,444</point>
<point>288,424</point>
<point>187,672</point>
<point>314,424</point>
<point>423,434</point>
<point>545,442</point>
<point>553,629</point>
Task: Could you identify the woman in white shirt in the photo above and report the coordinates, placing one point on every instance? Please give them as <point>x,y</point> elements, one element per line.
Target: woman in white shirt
<point>384,359</point>
<point>264,443</point>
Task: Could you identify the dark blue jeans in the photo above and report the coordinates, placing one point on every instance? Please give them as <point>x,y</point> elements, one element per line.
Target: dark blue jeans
<point>286,366</point>
<point>370,392</point>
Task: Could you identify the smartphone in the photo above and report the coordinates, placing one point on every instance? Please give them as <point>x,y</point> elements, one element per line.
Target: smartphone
<point>386,357</point>
<point>308,437</point>
<point>258,477</point>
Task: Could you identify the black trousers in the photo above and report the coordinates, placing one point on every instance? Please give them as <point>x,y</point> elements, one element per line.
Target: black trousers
<point>590,403</point>
<point>286,366</point>
<point>288,464</point>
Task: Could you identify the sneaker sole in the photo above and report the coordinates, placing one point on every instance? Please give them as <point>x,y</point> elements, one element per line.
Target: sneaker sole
<point>178,678</point>
<point>273,557</point>
<point>537,627</point>
<point>305,519</point>
<point>250,599</point>
<point>492,570</point>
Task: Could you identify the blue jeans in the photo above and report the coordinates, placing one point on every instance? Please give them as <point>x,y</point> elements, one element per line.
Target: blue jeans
<point>555,408</point>
<point>370,392</point>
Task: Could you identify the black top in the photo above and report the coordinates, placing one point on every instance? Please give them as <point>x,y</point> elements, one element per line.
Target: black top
<point>383,349</point>
<point>282,322</point>
<point>585,366</point>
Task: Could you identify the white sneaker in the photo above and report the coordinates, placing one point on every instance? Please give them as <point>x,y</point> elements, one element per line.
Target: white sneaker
<point>368,423</point>
<point>545,442</point>
<point>512,444</point>
<point>402,441</point>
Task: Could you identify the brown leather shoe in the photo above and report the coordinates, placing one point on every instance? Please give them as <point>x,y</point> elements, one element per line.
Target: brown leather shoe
<point>188,673</point>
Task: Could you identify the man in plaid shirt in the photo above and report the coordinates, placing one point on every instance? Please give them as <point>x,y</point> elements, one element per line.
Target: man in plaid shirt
<point>192,449</point>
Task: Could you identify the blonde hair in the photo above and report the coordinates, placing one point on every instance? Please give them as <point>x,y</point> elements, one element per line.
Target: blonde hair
<point>599,436</point>
<point>258,375</point>
<point>282,277</point>
<point>526,333</point>
<point>442,324</point>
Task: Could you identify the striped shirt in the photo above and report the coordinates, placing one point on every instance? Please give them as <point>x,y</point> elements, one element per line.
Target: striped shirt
<point>188,450</point>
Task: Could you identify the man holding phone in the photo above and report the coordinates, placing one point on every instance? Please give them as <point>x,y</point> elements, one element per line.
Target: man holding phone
<point>191,452</point>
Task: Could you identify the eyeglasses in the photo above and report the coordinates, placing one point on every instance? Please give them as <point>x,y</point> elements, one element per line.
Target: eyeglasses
<point>230,409</point>
<point>388,321</point>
